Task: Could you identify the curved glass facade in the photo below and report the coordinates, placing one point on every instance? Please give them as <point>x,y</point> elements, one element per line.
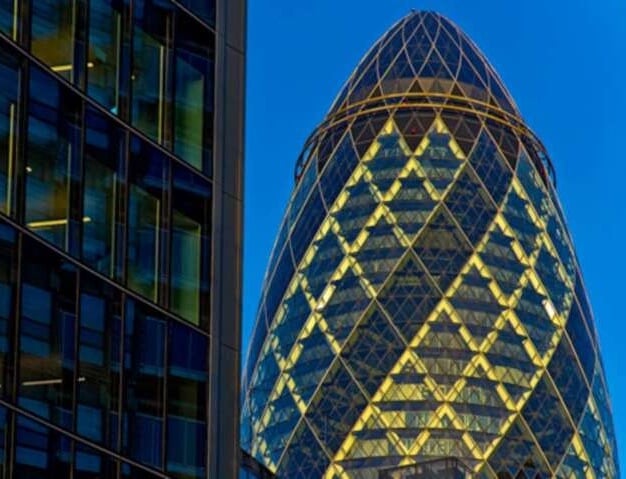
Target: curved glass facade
<point>423,299</point>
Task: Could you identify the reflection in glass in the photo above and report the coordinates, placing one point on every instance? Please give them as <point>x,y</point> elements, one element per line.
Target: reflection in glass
<point>147,178</point>
<point>92,464</point>
<point>53,136</point>
<point>104,51</point>
<point>53,34</point>
<point>194,91</point>
<point>7,252</point>
<point>8,100</point>
<point>148,76</point>
<point>103,148</point>
<point>189,247</point>
<point>143,231</point>
<point>144,373</point>
<point>99,355</point>
<point>8,18</point>
<point>4,422</point>
<point>40,451</point>
<point>47,335</point>
<point>205,9</point>
<point>185,266</point>
<point>187,387</point>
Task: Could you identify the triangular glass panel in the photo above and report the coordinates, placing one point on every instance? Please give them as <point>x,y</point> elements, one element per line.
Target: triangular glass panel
<point>372,350</point>
<point>380,252</point>
<point>442,248</point>
<point>409,297</point>
<point>412,204</point>
<point>330,413</point>
<point>476,305</point>
<point>346,305</point>
<point>471,205</point>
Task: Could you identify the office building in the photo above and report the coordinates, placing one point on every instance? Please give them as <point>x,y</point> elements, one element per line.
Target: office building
<point>423,300</point>
<point>120,236</point>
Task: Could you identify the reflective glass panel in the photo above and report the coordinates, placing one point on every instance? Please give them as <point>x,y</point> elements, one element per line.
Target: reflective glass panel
<point>53,142</point>
<point>144,372</point>
<point>150,27</point>
<point>104,50</point>
<point>9,81</point>
<point>40,452</point>
<point>104,144</point>
<point>187,397</point>
<point>146,185</point>
<point>7,281</point>
<point>190,244</point>
<point>99,355</point>
<point>205,9</point>
<point>47,335</point>
<point>193,104</point>
<point>8,17</point>
<point>92,464</point>
<point>53,34</point>
<point>4,422</point>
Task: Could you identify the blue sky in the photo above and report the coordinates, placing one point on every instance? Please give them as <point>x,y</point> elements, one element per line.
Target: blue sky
<point>563,62</point>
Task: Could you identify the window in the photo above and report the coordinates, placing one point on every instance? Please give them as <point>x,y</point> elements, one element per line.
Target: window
<point>205,9</point>
<point>144,373</point>
<point>145,197</point>
<point>40,452</point>
<point>92,464</point>
<point>8,18</point>
<point>104,50</point>
<point>9,81</point>
<point>104,149</point>
<point>47,335</point>
<point>187,397</point>
<point>99,356</point>
<point>193,104</point>
<point>151,23</point>
<point>7,281</point>
<point>190,246</point>
<point>53,34</point>
<point>53,146</point>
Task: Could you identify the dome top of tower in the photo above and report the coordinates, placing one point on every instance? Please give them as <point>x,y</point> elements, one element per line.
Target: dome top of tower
<point>424,54</point>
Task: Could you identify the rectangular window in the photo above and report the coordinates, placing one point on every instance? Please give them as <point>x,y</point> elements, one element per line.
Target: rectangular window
<point>146,188</point>
<point>105,22</point>
<point>150,29</point>
<point>144,373</point>
<point>53,147</point>
<point>7,288</point>
<point>8,18</point>
<point>190,244</point>
<point>52,33</point>
<point>205,9</point>
<point>187,395</point>
<point>193,103</point>
<point>47,335</point>
<point>99,355</point>
<point>4,422</point>
<point>40,451</point>
<point>9,81</point>
<point>104,150</point>
<point>92,464</point>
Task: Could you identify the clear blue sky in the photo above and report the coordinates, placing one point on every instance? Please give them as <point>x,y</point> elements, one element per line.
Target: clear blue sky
<point>564,63</point>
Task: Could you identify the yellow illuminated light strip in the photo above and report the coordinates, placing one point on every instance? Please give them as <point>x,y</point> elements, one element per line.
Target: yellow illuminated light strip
<point>36,225</point>
<point>68,67</point>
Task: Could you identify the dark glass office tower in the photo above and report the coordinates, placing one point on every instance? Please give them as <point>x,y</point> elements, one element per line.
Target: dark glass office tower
<point>423,299</point>
<point>120,233</point>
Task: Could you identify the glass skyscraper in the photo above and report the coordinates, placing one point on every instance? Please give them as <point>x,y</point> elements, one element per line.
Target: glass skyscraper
<point>423,299</point>
<point>120,233</point>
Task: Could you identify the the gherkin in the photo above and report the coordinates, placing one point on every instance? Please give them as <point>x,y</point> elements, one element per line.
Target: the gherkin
<point>423,299</point>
